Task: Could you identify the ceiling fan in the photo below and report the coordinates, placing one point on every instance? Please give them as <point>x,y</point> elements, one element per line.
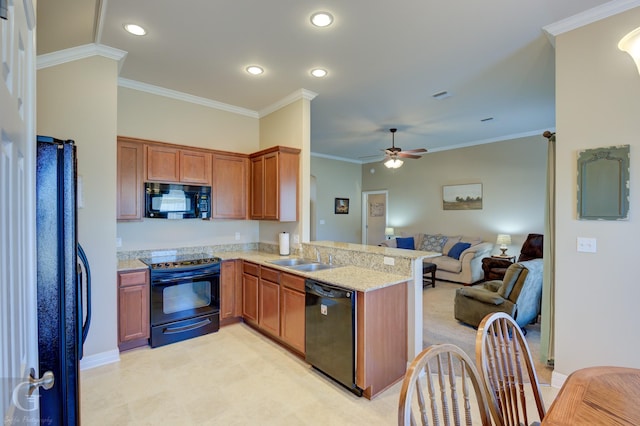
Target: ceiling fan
<point>393,154</point>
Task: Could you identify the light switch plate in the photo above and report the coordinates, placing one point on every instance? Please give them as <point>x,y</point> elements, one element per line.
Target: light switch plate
<point>587,245</point>
<point>389,261</point>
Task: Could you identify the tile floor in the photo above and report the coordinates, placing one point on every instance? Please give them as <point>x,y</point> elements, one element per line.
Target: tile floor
<point>233,377</point>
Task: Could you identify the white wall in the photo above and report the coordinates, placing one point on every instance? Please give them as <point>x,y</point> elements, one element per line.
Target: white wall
<point>597,104</point>
<point>512,174</point>
<point>337,179</point>
<point>77,101</point>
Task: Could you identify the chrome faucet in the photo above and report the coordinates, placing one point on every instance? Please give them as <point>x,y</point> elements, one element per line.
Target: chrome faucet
<point>318,255</point>
<point>330,259</point>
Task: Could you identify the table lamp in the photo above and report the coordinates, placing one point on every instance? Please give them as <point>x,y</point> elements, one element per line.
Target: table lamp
<point>388,232</point>
<point>503,240</point>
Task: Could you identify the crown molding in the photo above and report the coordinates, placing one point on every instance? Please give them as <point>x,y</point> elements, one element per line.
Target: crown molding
<point>174,94</point>
<point>80,52</point>
<point>588,17</point>
<point>333,157</point>
<point>293,97</point>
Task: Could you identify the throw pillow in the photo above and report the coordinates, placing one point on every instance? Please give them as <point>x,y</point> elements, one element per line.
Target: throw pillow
<point>433,243</point>
<point>451,241</point>
<point>405,243</point>
<point>457,250</point>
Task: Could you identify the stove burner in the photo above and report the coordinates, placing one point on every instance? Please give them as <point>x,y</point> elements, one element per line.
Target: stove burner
<point>179,262</point>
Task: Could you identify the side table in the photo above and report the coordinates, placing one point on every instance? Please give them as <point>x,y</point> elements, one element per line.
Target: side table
<point>426,269</point>
<point>511,259</point>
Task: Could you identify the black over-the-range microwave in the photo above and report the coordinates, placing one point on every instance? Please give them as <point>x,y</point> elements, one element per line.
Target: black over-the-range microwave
<point>175,201</point>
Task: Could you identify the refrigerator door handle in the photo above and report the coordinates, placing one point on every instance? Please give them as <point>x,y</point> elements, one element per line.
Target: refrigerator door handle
<point>87,321</point>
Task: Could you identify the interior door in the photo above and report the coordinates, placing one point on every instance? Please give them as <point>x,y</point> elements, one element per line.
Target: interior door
<point>18,315</point>
<point>374,216</point>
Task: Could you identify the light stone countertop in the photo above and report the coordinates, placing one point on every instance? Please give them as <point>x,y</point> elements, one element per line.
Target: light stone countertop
<point>347,276</point>
<point>131,265</point>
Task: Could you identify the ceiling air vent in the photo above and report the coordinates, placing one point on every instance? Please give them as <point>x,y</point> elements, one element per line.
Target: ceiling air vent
<point>486,119</point>
<point>441,95</point>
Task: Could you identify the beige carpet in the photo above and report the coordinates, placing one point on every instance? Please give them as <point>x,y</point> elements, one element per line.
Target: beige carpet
<point>441,327</point>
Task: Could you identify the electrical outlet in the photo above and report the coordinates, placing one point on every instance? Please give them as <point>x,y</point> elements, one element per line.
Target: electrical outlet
<point>237,236</point>
<point>118,242</point>
<point>389,261</point>
<point>587,245</point>
<point>296,239</point>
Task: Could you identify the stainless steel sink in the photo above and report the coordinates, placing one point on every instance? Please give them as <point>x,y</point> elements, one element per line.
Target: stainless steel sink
<point>291,262</point>
<point>311,267</point>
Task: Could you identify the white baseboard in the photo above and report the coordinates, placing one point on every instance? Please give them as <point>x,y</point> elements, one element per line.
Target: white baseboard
<point>103,358</point>
<point>557,379</point>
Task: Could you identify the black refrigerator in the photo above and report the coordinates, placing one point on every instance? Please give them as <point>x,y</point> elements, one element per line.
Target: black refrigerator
<point>63,281</point>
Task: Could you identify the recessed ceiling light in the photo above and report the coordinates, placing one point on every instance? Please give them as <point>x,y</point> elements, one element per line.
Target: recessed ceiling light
<point>135,29</point>
<point>318,72</point>
<point>321,19</point>
<point>255,70</point>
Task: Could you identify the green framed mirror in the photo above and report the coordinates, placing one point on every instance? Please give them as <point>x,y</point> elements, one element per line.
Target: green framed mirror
<point>603,183</point>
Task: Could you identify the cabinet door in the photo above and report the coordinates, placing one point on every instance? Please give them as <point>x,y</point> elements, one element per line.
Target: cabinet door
<point>227,289</point>
<point>130,165</point>
<point>230,177</point>
<point>163,164</point>
<point>269,311</point>
<point>271,187</point>
<point>134,312</point>
<point>250,298</point>
<point>257,188</point>
<point>195,167</point>
<point>293,318</point>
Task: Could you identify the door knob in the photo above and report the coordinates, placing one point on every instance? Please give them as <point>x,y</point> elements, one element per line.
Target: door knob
<point>46,381</point>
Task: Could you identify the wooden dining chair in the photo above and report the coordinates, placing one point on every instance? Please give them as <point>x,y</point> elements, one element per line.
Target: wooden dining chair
<point>437,388</point>
<point>504,360</point>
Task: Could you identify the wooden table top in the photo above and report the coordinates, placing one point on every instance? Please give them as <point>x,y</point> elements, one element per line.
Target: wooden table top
<point>597,396</point>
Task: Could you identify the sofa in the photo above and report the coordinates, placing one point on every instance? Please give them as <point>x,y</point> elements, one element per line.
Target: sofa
<point>460,258</point>
<point>518,294</point>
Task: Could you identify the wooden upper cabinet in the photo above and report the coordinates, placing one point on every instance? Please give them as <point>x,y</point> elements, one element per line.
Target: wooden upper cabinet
<point>274,184</point>
<point>195,167</point>
<point>229,185</point>
<point>174,165</point>
<point>163,164</point>
<point>130,167</point>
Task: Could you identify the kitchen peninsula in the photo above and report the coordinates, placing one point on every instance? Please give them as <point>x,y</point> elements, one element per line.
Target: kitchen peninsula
<point>270,298</point>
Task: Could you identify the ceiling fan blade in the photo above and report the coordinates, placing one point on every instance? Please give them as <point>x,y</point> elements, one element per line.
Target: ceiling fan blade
<point>406,155</point>
<point>413,151</point>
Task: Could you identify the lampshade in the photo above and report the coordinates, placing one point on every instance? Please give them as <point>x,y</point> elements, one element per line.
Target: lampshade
<point>388,231</point>
<point>503,240</point>
<point>631,44</point>
<point>393,163</point>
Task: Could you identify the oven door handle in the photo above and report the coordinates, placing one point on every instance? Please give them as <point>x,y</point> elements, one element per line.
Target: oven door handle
<point>172,330</point>
<point>186,275</point>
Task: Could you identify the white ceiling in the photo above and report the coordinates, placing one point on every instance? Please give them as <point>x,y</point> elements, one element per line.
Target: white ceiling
<point>385,61</point>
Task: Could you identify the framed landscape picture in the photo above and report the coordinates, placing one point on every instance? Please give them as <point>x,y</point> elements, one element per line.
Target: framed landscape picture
<point>462,197</point>
<point>342,206</point>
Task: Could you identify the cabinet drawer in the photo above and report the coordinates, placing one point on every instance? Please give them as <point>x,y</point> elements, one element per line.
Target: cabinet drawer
<point>251,268</point>
<point>132,278</point>
<point>270,275</point>
<point>293,282</point>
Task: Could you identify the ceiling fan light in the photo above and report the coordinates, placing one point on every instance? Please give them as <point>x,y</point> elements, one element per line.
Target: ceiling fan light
<point>393,163</point>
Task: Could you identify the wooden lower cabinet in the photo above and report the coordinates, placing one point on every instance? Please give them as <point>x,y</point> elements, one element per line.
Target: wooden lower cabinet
<point>250,295</point>
<point>381,342</point>
<point>133,309</point>
<point>230,291</point>
<point>269,301</point>
<point>292,311</point>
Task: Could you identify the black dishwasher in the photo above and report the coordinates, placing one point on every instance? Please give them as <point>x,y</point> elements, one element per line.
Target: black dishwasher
<point>330,332</point>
